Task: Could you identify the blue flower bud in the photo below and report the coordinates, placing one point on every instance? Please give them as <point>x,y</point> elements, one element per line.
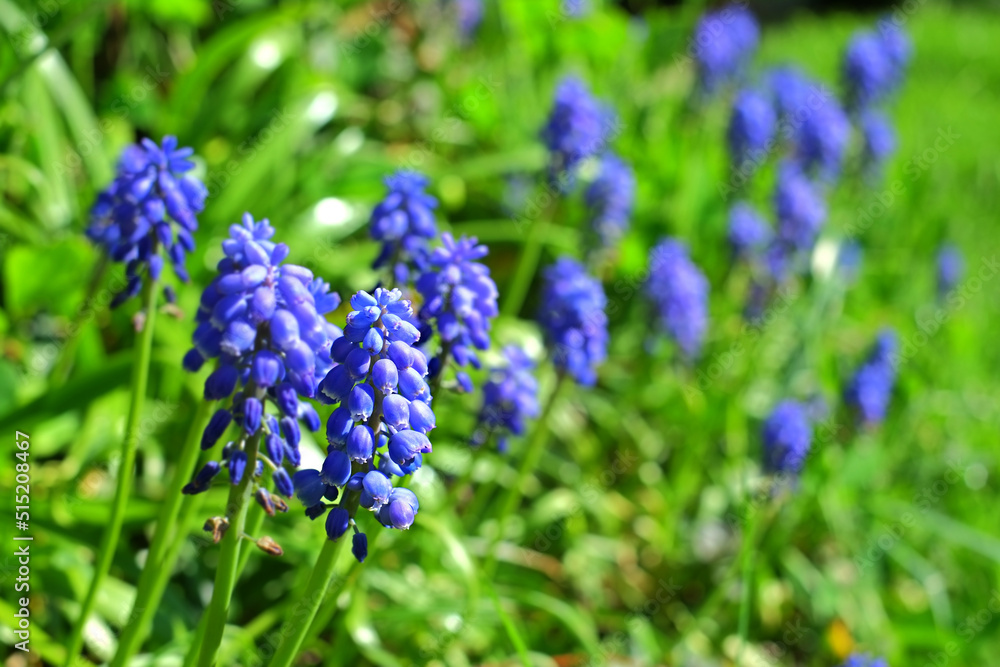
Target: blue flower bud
<point>268,369</point>
<point>356,482</point>
<point>221,382</point>
<point>290,429</point>
<point>252,411</point>
<point>193,361</point>
<point>359,547</point>
<point>378,487</point>
<point>337,384</point>
<point>338,425</point>
<point>337,522</point>
<point>400,514</point>
<point>404,445</point>
<point>341,348</point>
<point>203,479</point>
<point>283,483</point>
<point>373,341</point>
<point>217,425</point>
<point>307,414</point>
<point>401,354</point>
<point>237,465</point>
<point>275,448</point>
<point>336,468</point>
<point>421,417</point>
<point>284,329</point>
<point>358,362</point>
<point>309,487</point>
<point>316,511</point>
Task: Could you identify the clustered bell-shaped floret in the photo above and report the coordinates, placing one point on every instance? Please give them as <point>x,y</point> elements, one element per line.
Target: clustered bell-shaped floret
<point>822,137</point>
<point>403,222</point>
<point>572,315</point>
<point>799,208</point>
<point>870,390</point>
<point>610,198</point>
<point>152,205</point>
<point>879,139</point>
<point>510,398</point>
<point>379,428</point>
<point>874,64</point>
<point>748,231</point>
<point>263,321</point>
<point>679,290</point>
<point>460,302</point>
<point>787,438</point>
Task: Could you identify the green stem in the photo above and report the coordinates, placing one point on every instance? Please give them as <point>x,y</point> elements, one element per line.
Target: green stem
<point>255,519</point>
<point>517,288</point>
<point>746,576</point>
<point>319,582</point>
<point>227,571</point>
<point>159,565</point>
<point>532,455</point>
<point>109,541</point>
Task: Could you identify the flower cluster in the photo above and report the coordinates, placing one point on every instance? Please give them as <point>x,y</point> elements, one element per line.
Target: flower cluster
<point>578,127</point>
<point>263,320</point>
<point>610,198</point>
<point>787,437</point>
<point>724,41</point>
<point>748,230</point>
<point>878,138</point>
<point>460,302</point>
<point>152,204</point>
<point>572,315</point>
<point>874,64</point>
<point>950,267</point>
<point>863,660</point>
<point>403,222</point>
<point>679,290</point>
<point>870,389</point>
<point>510,398</point>
<point>469,14</point>
<point>799,208</point>
<point>792,93</point>
<point>822,138</point>
<point>751,128</point>
<point>383,401</point>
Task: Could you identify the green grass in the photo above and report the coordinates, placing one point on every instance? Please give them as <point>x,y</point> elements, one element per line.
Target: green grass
<point>622,546</point>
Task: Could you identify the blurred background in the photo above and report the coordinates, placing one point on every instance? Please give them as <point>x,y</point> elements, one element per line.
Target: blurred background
<point>627,547</point>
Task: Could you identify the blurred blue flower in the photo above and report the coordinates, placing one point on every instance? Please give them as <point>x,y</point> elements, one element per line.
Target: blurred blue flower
<point>383,402</point>
<point>572,315</point>
<point>723,43</point>
<point>799,209</point>
<point>787,437</point>
<point>578,127</point>
<point>748,230</point>
<point>878,137</point>
<point>151,206</point>
<point>403,222</point>
<point>469,14</point>
<point>679,291</point>
<point>873,66</point>
<point>870,390</point>
<point>510,398</point>
<point>950,268</point>
<point>897,47</point>
<point>751,128</point>
<point>864,660</point>
<point>791,91</point>
<point>610,198</point>
<point>263,321</point>
<point>460,299</point>
<point>822,137</point>
<point>575,8</point>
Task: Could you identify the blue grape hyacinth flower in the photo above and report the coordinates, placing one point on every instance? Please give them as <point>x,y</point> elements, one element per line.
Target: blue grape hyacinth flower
<point>878,138</point>
<point>864,660</point>
<point>403,222</point>
<point>679,291</point>
<point>748,230</point>
<point>460,302</point>
<point>799,209</point>
<point>870,73</point>
<point>870,390</point>
<point>510,398</point>
<point>610,198</point>
<point>469,14</point>
<point>950,268</point>
<point>263,321</point>
<point>149,212</point>
<point>897,47</point>
<point>379,428</point>
<point>792,93</point>
<point>573,318</point>
<point>787,437</point>
<point>578,127</point>
<point>822,137</point>
<point>723,43</point>
<point>751,130</point>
